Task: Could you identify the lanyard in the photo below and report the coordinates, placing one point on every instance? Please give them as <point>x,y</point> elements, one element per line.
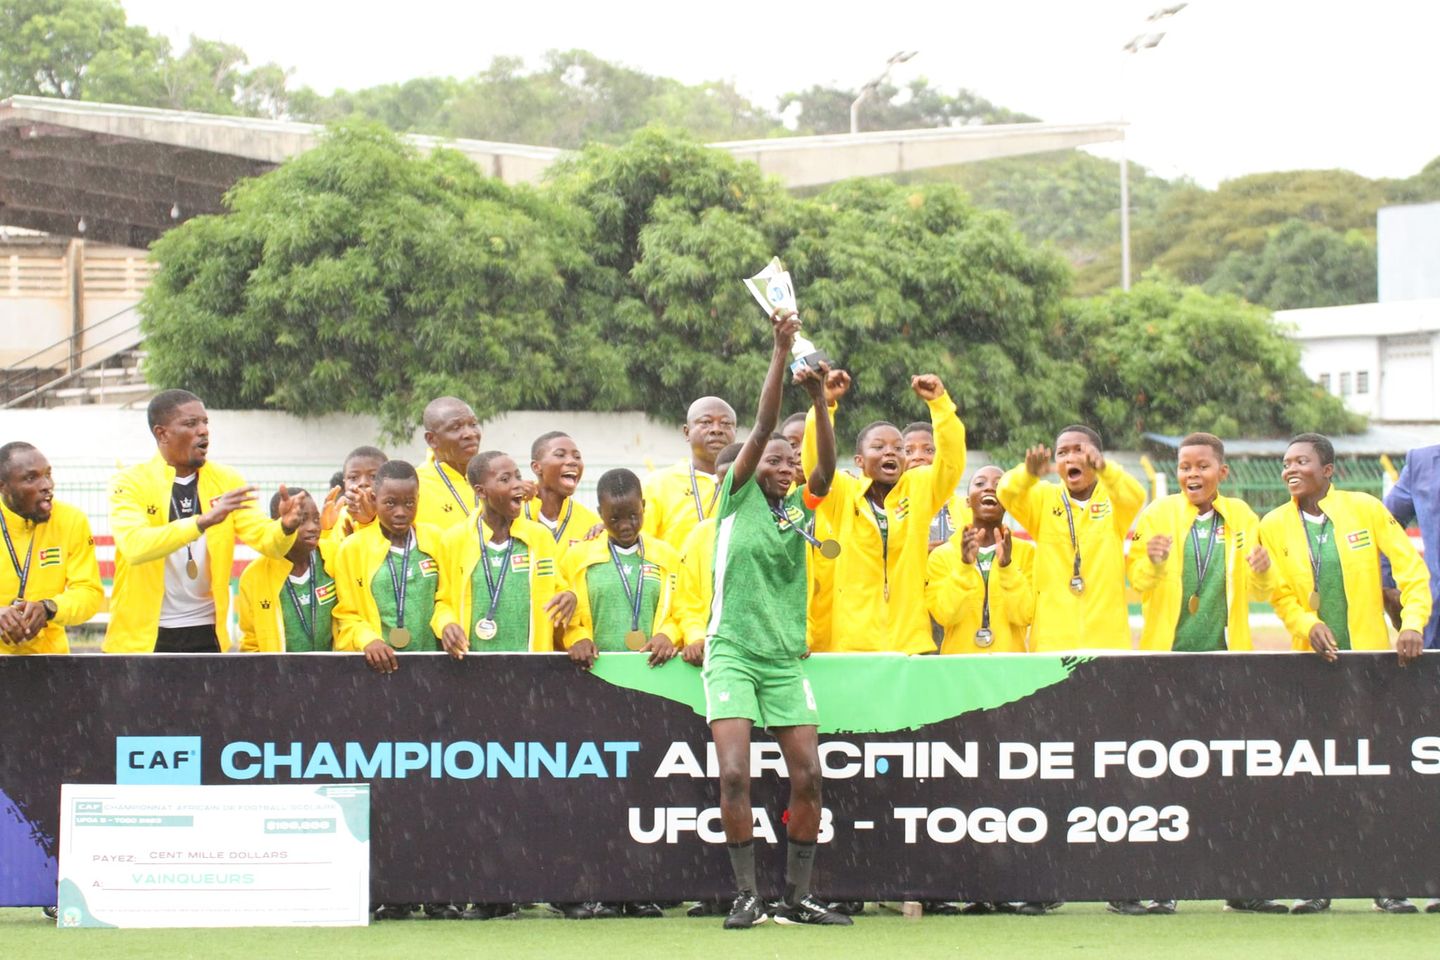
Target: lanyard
<point>23,573</point>
<point>635,598</point>
<point>1312,548</point>
<point>559,530</point>
<point>493,583</point>
<point>1074,541</point>
<point>702,512</point>
<point>985,572</point>
<point>308,624</point>
<point>451,487</point>
<point>1202,565</point>
<point>883,523</point>
<point>400,584</point>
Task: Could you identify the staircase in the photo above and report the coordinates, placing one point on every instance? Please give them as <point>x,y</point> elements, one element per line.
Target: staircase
<point>103,370</point>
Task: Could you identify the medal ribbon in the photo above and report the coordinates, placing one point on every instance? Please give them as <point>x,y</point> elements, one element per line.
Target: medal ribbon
<point>1074,541</point>
<point>493,583</point>
<point>399,584</point>
<point>635,598</point>
<point>307,624</point>
<point>883,524</point>
<point>985,572</point>
<point>1202,565</point>
<point>23,573</point>
<point>702,512</point>
<point>559,530</point>
<point>451,487</point>
<point>785,523</point>
<point>1312,548</point>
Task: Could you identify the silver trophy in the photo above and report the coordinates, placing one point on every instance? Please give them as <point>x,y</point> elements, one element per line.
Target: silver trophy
<point>773,290</point>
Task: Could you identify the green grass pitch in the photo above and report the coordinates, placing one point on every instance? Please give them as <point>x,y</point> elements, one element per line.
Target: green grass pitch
<point>1200,929</point>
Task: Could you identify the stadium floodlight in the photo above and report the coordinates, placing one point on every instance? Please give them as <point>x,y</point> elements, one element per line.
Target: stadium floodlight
<point>1137,43</point>
<point>897,58</point>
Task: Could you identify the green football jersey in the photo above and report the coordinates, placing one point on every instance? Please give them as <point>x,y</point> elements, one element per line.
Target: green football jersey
<point>759,606</point>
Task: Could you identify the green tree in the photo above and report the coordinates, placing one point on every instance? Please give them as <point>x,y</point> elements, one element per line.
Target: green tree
<point>363,277</point>
<point>1302,265</point>
<point>918,106</point>
<point>76,49</point>
<point>1166,358</point>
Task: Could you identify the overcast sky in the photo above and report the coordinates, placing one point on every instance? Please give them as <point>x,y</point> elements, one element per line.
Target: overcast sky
<point>1235,87</point>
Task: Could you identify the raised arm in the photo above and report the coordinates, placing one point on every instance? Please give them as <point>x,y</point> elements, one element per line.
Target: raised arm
<point>767,417</point>
<point>823,473</point>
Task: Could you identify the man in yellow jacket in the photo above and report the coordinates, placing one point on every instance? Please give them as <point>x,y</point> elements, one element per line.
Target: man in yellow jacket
<point>286,604</point>
<point>876,589</point>
<point>452,434</point>
<point>680,496</point>
<point>1079,526</point>
<point>175,520</point>
<point>500,588</point>
<point>558,466</point>
<point>1197,560</point>
<point>979,587</point>
<point>49,578</point>
<point>1326,544</point>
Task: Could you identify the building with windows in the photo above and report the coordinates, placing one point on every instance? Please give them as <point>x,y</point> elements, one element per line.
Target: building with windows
<point>1383,358</point>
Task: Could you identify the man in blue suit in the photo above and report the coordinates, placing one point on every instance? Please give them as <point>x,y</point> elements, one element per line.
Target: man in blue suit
<point>1416,497</point>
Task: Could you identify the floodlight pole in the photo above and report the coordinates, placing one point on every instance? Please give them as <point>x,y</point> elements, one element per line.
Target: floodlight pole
<point>1136,45</point>
<point>873,85</point>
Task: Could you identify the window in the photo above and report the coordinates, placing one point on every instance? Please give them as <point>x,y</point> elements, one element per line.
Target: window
<point>1362,381</point>
<point>1325,382</point>
<point>1345,384</point>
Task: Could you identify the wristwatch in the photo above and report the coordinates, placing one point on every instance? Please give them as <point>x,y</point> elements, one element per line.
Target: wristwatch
<point>50,609</point>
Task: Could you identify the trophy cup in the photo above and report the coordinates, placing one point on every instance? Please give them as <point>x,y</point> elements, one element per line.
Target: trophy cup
<point>773,289</point>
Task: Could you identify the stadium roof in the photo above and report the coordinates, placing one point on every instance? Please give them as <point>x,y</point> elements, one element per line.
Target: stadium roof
<point>131,173</point>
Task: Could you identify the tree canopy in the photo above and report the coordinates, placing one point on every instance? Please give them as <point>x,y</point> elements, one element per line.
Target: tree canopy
<point>363,276</point>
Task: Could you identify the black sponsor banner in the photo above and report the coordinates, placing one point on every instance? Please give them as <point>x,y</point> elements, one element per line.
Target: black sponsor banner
<point>516,777</point>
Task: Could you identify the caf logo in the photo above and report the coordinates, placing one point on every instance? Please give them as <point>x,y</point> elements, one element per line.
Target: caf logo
<point>264,604</point>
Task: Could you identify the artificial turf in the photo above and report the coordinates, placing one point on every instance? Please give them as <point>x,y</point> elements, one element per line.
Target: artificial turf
<point>1201,929</point>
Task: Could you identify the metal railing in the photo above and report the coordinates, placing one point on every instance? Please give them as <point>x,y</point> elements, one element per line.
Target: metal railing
<point>24,381</point>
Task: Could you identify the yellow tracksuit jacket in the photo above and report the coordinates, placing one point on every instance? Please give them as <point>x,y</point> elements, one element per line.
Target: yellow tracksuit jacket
<point>861,620</point>
<point>262,623</point>
<point>1097,617</point>
<point>670,506</point>
<point>592,552</point>
<point>355,621</point>
<point>62,569</point>
<point>581,521</point>
<point>1161,588</point>
<point>696,586</point>
<point>1363,529</point>
<point>955,596</point>
<point>437,506</point>
<point>462,553</point>
<point>144,537</point>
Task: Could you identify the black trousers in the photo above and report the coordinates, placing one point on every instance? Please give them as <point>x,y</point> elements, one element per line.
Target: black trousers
<point>199,639</point>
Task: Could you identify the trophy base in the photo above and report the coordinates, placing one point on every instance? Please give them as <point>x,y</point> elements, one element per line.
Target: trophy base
<point>811,360</point>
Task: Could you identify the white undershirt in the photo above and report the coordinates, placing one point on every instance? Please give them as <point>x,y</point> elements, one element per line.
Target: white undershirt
<point>1313,517</point>
<point>625,550</point>
<point>187,603</point>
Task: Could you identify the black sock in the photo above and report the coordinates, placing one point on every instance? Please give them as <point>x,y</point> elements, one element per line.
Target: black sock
<point>799,861</point>
<point>742,861</point>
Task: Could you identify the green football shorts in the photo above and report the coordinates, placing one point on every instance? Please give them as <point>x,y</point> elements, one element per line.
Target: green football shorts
<point>768,693</point>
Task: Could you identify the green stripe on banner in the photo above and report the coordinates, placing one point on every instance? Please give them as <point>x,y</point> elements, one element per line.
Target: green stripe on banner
<point>918,690</point>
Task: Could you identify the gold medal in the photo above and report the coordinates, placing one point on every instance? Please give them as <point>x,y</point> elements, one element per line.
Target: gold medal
<point>636,640</point>
<point>1314,599</point>
<point>399,638</point>
<point>829,549</point>
<point>1194,604</point>
<point>192,569</point>
<point>486,629</point>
